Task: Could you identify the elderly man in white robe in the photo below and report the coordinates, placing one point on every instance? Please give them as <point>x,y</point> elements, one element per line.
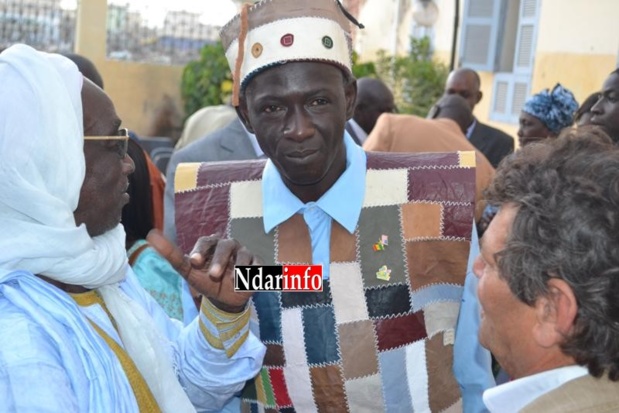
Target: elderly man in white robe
<point>79,334</point>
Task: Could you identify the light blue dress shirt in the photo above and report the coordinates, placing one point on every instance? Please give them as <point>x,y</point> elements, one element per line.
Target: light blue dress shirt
<point>342,202</point>
<point>472,363</point>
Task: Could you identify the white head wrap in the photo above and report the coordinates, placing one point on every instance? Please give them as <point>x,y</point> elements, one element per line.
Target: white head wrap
<point>42,171</point>
<point>41,174</point>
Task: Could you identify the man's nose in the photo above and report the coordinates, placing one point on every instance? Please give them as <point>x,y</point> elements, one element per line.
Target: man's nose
<point>299,125</point>
<point>128,165</point>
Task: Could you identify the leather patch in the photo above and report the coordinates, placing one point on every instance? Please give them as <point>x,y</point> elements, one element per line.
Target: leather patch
<point>274,356</point>
<point>347,292</point>
<point>389,301</point>
<point>279,388</point>
<point>320,335</point>
<point>433,262</point>
<point>392,160</point>
<point>201,213</point>
<point>357,343</point>
<point>398,331</point>
<point>375,222</point>
<point>443,388</point>
<point>460,223</point>
<point>268,309</point>
<point>328,387</point>
<point>365,394</point>
<point>442,185</point>
<point>293,241</point>
<point>343,244</point>
<point>250,233</point>
<point>291,300</point>
<point>422,220</point>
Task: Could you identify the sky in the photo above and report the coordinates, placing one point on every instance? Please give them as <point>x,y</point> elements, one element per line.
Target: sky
<point>214,12</point>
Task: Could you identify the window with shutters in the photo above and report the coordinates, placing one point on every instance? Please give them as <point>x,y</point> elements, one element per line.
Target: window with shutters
<point>514,69</point>
<point>499,36</point>
<point>508,95</point>
<point>479,34</point>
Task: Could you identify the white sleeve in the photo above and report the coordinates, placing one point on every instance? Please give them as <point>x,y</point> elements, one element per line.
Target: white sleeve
<point>209,377</point>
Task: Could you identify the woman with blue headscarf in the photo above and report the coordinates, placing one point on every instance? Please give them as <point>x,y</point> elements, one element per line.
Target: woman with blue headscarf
<point>545,114</point>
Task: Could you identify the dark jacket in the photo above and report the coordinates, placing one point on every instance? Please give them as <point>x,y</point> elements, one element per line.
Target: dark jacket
<point>493,143</point>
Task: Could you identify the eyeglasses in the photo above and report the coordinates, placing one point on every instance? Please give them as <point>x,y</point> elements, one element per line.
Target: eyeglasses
<point>122,138</point>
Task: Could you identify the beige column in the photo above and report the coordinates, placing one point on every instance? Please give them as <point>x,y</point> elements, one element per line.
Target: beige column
<point>91,29</point>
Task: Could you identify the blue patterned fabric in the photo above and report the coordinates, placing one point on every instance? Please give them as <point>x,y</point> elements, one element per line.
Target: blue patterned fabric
<point>159,278</point>
<point>554,108</point>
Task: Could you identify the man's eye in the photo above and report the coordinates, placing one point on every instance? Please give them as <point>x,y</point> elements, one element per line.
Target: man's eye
<point>319,102</point>
<point>271,108</point>
<point>119,147</point>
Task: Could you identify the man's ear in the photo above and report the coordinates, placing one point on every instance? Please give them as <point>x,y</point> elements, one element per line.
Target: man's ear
<point>350,93</point>
<point>480,95</point>
<point>243,114</point>
<point>556,313</point>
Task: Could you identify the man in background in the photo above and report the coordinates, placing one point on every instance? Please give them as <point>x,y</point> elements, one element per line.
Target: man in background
<point>230,143</point>
<point>493,143</point>
<point>373,99</point>
<point>203,122</point>
<point>442,133</point>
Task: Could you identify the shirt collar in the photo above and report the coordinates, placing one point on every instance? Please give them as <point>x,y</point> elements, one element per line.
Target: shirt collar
<point>343,201</point>
<point>515,395</point>
<point>361,134</point>
<point>469,130</point>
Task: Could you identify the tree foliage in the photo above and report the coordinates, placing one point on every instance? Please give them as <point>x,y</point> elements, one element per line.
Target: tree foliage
<point>416,79</point>
<point>207,81</point>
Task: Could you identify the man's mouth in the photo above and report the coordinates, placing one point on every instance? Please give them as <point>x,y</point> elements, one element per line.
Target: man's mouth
<point>302,154</point>
<point>125,194</point>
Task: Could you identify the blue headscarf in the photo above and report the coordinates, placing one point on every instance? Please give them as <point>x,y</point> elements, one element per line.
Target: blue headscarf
<point>555,108</point>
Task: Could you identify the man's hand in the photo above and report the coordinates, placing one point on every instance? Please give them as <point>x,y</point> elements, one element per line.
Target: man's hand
<point>209,269</point>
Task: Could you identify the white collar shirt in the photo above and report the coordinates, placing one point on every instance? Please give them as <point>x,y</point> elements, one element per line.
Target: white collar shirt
<point>513,396</point>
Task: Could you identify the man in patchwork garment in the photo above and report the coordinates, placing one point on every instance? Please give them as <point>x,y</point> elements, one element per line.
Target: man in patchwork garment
<point>392,231</point>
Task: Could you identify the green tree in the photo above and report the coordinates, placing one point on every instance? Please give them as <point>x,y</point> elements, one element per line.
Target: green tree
<point>207,81</point>
<point>366,69</point>
<point>417,80</point>
<point>422,78</point>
